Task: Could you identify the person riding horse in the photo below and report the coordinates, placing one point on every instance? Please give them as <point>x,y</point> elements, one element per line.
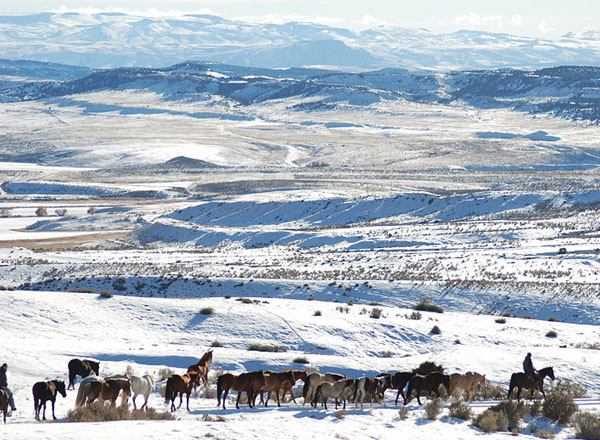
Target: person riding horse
<point>4,385</point>
<point>530,371</point>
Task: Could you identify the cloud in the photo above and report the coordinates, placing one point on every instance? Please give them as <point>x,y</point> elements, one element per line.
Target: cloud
<point>516,20</point>
<point>543,27</point>
<point>472,19</point>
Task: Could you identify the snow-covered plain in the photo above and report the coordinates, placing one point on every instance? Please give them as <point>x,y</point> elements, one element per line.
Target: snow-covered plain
<point>486,212</point>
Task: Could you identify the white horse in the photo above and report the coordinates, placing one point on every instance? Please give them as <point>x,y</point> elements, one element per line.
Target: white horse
<point>142,385</point>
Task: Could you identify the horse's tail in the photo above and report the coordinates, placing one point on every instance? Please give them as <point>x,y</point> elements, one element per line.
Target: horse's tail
<point>219,391</point>
<point>81,394</point>
<point>169,391</point>
<point>511,385</point>
<point>306,387</point>
<point>317,393</point>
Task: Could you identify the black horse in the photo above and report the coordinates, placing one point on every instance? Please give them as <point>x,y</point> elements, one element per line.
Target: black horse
<point>44,391</point>
<point>83,368</point>
<point>428,383</point>
<point>397,381</point>
<point>522,380</point>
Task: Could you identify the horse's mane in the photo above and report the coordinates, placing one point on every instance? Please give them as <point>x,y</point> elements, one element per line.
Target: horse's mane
<point>206,358</point>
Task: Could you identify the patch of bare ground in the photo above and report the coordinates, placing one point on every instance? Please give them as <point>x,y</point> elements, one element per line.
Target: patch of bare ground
<point>72,242</point>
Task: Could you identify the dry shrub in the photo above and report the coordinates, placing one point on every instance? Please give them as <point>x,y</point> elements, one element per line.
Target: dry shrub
<point>459,410</point>
<point>491,421</point>
<point>587,425</point>
<point>435,330</point>
<point>573,389</point>
<point>376,313</point>
<point>415,316</point>
<point>341,414</point>
<point>301,360</point>
<point>427,367</point>
<point>545,434</point>
<point>99,412</point>
<point>403,413</point>
<point>504,416</point>
<point>162,390</point>
<point>165,373</point>
<point>208,418</point>
<point>490,391</point>
<point>266,347</point>
<point>535,409</point>
<point>559,407</point>
<point>216,343</point>
<point>433,408</point>
<point>426,306</point>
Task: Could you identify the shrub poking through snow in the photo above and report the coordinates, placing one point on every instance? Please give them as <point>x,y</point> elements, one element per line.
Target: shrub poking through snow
<point>426,306</point>
<point>41,211</point>
<point>559,407</point>
<point>207,311</point>
<point>403,413</point>
<point>301,360</point>
<point>459,410</point>
<point>317,313</point>
<point>376,312</point>
<point>435,330</point>
<point>98,412</point>
<point>587,425</point>
<point>505,416</point>
<point>216,344</point>
<point>106,294</point>
<point>415,316</point>
<point>165,373</point>
<point>427,367</point>
<point>545,434</point>
<point>266,347</point>
<point>500,321</point>
<point>573,389</point>
<point>433,408</point>
<point>490,391</point>
<point>551,334</point>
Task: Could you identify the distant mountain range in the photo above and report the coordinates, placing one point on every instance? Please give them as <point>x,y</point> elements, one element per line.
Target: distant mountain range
<point>109,40</point>
<point>571,92</point>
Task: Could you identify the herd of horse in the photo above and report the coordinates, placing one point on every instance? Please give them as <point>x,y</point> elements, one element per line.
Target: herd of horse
<point>318,387</point>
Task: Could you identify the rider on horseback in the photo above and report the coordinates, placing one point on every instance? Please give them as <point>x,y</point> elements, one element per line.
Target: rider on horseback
<point>530,371</point>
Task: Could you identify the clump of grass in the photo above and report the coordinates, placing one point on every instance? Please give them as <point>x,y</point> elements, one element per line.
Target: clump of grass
<point>98,412</point>
<point>433,408</point>
<point>216,343</point>
<point>385,354</point>
<point>165,373</point>
<point>341,414</point>
<point>459,410</point>
<point>301,360</point>
<point>376,313</point>
<point>310,298</point>
<point>266,348</point>
<point>425,305</point>
<point>317,313</point>
<point>551,334</point>
<point>545,434</point>
<point>500,321</point>
<point>244,300</point>
<point>403,413</point>
<point>105,294</point>
<point>435,330</point>
<point>207,311</point>
<point>559,407</point>
<point>415,315</point>
<point>587,425</point>
<point>208,418</point>
<point>81,290</point>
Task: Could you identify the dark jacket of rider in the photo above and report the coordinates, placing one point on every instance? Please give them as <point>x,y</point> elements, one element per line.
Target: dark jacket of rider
<point>528,366</point>
<point>3,381</point>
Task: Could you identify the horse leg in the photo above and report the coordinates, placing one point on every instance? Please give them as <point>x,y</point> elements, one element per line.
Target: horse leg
<point>187,400</point>
<point>277,393</point>
<point>53,416</point>
<point>237,402</point>
<point>225,392</point>
<point>133,399</point>
<point>180,399</point>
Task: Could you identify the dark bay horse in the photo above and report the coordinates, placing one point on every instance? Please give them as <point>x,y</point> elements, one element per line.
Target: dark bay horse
<point>522,380</point>
<point>250,382</point>
<point>44,391</point>
<point>180,385</point>
<point>430,382</point>
<point>273,382</point>
<point>396,381</point>
<point>83,368</point>
<point>4,400</point>
<point>202,367</point>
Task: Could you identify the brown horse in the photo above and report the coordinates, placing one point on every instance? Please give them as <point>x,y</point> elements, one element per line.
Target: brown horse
<point>202,367</point>
<point>468,382</point>
<point>428,383</point>
<point>92,388</point>
<point>180,385</point>
<point>4,400</point>
<point>313,380</point>
<point>522,380</point>
<point>44,391</point>
<point>273,382</point>
<point>287,386</point>
<point>249,382</point>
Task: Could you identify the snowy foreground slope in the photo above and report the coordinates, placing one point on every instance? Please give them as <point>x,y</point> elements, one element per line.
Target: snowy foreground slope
<point>42,331</point>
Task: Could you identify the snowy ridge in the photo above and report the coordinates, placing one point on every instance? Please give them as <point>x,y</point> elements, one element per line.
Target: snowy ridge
<point>113,40</point>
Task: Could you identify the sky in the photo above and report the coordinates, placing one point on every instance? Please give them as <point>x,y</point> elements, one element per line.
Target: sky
<point>545,18</point>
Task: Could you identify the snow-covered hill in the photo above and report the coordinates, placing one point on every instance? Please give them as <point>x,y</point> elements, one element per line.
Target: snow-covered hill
<point>571,92</point>
<point>118,39</point>
<point>42,331</point>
